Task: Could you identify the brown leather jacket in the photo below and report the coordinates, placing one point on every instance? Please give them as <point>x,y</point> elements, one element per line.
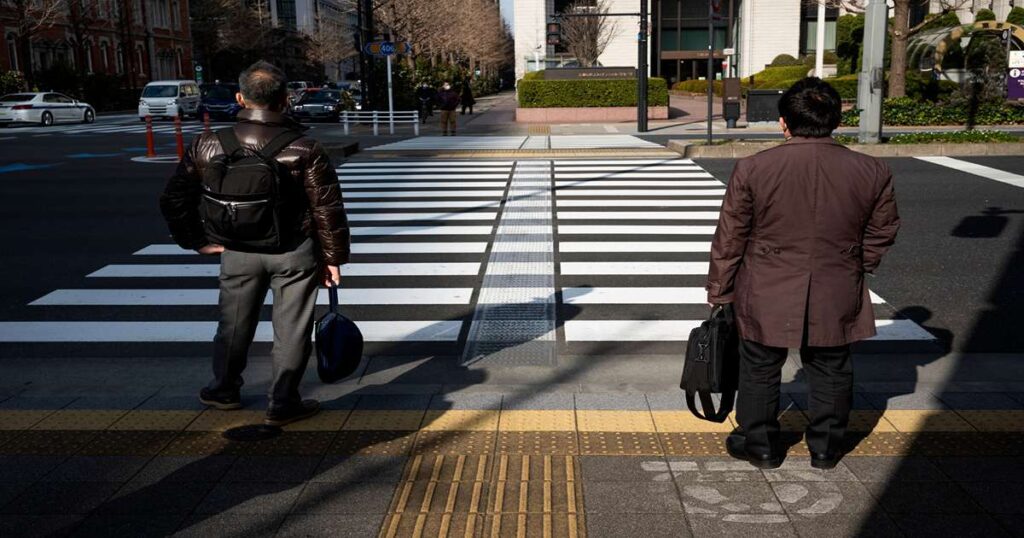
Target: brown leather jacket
<point>800,226</point>
<point>310,169</point>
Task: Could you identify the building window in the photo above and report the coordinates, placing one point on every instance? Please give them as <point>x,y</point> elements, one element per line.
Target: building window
<point>809,29</point>
<point>119,61</point>
<point>12,51</point>
<point>286,13</point>
<point>87,54</point>
<point>139,59</point>
<point>105,56</point>
<point>180,56</point>
<point>176,14</point>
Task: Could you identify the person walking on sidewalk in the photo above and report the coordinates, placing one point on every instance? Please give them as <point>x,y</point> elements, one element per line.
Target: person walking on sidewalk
<point>266,198</point>
<point>467,96</point>
<point>800,226</point>
<point>425,97</point>
<point>447,101</point>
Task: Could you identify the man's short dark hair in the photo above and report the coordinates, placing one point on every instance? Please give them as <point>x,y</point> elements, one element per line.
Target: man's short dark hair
<point>263,84</point>
<point>812,108</point>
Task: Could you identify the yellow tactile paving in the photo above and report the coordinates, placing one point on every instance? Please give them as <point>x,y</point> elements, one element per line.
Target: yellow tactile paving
<point>79,419</point>
<point>460,420</point>
<point>383,420</point>
<point>869,421</point>
<point>324,421</point>
<point>537,421</point>
<point>614,421</point>
<point>995,421</point>
<point>684,421</point>
<point>213,420</point>
<point>21,420</point>
<point>155,420</point>
<point>909,421</point>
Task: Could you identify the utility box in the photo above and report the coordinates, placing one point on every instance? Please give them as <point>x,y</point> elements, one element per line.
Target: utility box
<point>763,105</point>
<point>731,97</point>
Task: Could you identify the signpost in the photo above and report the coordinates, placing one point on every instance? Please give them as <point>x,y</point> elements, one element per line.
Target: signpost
<point>1015,84</point>
<point>387,49</point>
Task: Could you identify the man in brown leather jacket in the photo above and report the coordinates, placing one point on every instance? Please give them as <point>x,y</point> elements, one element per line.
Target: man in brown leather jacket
<point>314,243</point>
<point>800,226</point>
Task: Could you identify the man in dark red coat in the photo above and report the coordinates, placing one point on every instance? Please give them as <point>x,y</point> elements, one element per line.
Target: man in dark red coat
<point>800,226</point>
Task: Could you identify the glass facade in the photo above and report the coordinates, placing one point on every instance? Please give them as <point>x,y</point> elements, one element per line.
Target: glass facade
<point>680,40</point>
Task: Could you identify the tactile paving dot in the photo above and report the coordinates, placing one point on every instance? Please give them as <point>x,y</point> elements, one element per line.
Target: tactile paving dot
<point>539,443</point>
<point>200,444</point>
<point>451,468</point>
<point>383,420</point>
<point>792,420</point>
<point>1005,444</point>
<point>693,444</point>
<point>7,436</point>
<point>454,442</point>
<point>614,421</point>
<point>79,419</point>
<point>372,442</point>
<point>128,443</point>
<point>521,525</point>
<point>685,421</point>
<point>926,421</point>
<point>868,421</point>
<point>460,420</point>
<point>880,444</point>
<point>44,442</point>
<point>18,419</point>
<point>537,421</point>
<point>995,421</point>
<point>155,420</point>
<point>213,420</point>
<point>290,444</point>
<point>324,421</point>
<point>619,443</point>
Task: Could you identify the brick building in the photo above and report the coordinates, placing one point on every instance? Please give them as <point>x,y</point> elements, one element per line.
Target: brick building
<point>140,40</point>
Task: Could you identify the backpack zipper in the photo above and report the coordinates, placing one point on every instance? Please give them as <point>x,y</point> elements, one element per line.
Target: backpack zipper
<point>232,207</point>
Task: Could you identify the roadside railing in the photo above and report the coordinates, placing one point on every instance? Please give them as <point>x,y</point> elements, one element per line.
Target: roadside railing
<point>378,117</point>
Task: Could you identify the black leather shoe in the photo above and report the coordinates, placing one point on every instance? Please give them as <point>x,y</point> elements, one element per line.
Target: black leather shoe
<point>225,401</point>
<point>736,447</point>
<point>279,416</point>
<point>824,461</point>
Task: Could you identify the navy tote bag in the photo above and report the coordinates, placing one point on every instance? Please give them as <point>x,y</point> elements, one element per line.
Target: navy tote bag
<point>339,344</point>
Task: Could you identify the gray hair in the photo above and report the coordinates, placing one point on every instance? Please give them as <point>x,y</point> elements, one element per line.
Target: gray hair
<point>263,84</point>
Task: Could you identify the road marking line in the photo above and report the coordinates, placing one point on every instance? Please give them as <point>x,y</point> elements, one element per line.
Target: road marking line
<point>206,297</point>
<point>601,183</point>
<point>474,215</point>
<point>635,230</point>
<point>459,204</point>
<point>348,185</point>
<point>559,174</point>
<point>203,331</point>
<point>398,176</point>
<point>634,246</point>
<point>639,192</point>
<point>637,215</point>
<point>399,164</point>
<point>639,203</point>
<point>456,247</point>
<point>588,295</point>
<point>621,162</point>
<point>561,167</point>
<point>426,194</point>
<point>634,268</point>
<point>679,330</point>
<point>986,172</point>
<point>207,270</point>
<point>423,230</point>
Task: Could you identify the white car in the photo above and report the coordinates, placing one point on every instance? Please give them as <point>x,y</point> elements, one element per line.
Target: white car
<point>170,98</point>
<point>44,108</point>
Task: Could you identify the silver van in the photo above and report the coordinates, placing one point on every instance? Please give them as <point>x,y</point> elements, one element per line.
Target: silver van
<point>169,98</point>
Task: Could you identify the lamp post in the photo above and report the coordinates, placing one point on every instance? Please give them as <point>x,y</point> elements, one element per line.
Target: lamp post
<point>641,71</point>
<point>871,82</point>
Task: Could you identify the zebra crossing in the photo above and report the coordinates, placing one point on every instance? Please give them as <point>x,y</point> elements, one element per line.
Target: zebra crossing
<point>136,127</point>
<point>617,248</point>
<point>533,142</point>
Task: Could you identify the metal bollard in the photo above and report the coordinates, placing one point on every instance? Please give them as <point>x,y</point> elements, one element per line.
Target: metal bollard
<point>374,123</point>
<point>150,145</point>
<point>179,138</point>
<point>416,122</point>
<point>206,122</point>
<point>344,119</point>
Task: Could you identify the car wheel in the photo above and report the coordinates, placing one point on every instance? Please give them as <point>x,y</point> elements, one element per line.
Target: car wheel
<point>47,119</point>
<point>89,117</point>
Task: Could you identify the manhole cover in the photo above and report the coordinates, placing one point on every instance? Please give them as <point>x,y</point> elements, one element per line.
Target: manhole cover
<point>252,432</point>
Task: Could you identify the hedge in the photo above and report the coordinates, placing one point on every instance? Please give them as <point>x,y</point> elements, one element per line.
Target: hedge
<point>588,93</point>
<point>950,137</point>
<point>910,112</point>
<point>1016,16</point>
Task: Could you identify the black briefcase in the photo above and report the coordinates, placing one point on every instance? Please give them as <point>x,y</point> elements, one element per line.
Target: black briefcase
<point>712,365</point>
<point>339,344</point>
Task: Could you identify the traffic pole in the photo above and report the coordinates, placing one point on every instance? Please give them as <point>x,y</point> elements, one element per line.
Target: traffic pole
<point>150,145</point>
<point>179,138</point>
<point>206,122</point>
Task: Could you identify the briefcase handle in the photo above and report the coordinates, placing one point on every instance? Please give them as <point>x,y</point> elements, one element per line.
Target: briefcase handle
<point>332,296</point>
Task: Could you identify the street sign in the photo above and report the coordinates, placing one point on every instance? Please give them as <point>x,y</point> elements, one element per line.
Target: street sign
<point>729,51</point>
<point>1015,85</point>
<point>387,48</point>
<point>1016,59</point>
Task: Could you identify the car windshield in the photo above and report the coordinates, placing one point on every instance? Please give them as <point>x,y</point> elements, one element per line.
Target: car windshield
<point>16,97</point>
<point>160,91</point>
<point>296,85</point>
<point>220,93</point>
<point>320,97</point>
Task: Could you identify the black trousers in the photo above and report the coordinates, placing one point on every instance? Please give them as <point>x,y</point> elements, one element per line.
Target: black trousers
<point>830,376</point>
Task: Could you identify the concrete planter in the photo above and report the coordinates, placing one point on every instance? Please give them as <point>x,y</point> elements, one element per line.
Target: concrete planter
<point>738,150</point>
<point>586,114</point>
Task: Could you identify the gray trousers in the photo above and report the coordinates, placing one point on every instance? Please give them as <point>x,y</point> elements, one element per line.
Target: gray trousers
<point>244,280</point>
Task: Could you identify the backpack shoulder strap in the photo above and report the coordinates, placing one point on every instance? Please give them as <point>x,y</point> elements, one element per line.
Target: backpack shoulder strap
<point>229,141</point>
<point>278,143</point>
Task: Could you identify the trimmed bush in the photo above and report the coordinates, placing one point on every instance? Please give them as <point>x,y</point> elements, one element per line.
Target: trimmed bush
<point>830,59</point>
<point>534,75</point>
<point>699,86</point>
<point>1016,16</point>
<point>785,60</point>
<point>952,137</point>
<point>779,77</point>
<point>588,93</point>
<point>911,112</point>
<point>11,81</point>
<point>984,14</point>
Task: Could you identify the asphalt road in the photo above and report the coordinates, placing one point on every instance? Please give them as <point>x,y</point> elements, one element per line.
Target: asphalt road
<point>72,204</point>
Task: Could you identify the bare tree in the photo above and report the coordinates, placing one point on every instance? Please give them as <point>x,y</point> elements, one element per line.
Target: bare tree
<point>30,17</point>
<point>329,44</point>
<point>83,17</point>
<point>586,38</point>
<point>900,30</point>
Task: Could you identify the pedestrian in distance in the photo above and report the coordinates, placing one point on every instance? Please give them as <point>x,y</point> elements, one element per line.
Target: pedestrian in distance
<point>467,96</point>
<point>266,198</point>
<point>425,97</point>
<point>448,102</point>
<point>800,227</point>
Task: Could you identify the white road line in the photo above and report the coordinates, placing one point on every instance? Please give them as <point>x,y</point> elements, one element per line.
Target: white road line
<point>564,229</point>
<point>419,248</point>
<point>679,330</point>
<point>602,183</point>
<point>180,297</point>
<point>425,194</point>
<point>638,215</point>
<point>472,215</point>
<point>203,331</point>
<point>634,268</point>
<point>347,186</point>
<point>450,171</point>
<point>639,192</point>
<point>634,246</point>
<point>403,176</point>
<point>423,230</point>
<point>559,174</point>
<point>561,167</point>
<point>588,295</point>
<point>459,204</point>
<point>206,270</point>
<point>164,250</point>
<point>638,203</point>
<point>986,172</point>
<point>621,162</point>
<point>396,163</point>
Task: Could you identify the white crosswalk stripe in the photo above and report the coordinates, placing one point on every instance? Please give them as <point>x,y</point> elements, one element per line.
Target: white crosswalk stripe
<point>630,237</point>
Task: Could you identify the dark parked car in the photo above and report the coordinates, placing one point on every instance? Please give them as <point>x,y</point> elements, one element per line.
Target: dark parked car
<point>219,101</point>
<point>321,105</point>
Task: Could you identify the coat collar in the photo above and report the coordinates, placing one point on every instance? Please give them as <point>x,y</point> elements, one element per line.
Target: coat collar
<point>808,140</point>
<point>269,117</point>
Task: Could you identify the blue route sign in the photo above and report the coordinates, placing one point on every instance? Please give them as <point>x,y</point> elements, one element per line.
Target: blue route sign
<point>387,48</point>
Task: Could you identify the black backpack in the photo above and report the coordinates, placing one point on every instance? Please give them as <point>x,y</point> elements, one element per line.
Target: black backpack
<point>241,202</point>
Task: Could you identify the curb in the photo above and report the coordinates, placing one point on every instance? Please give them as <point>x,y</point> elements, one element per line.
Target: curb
<point>740,150</point>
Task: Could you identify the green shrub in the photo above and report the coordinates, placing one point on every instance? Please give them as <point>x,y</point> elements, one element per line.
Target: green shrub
<point>946,20</point>
<point>846,85</point>
<point>588,93</point>
<point>911,112</point>
<point>812,58</point>
<point>534,75</point>
<point>1016,16</point>
<point>779,77</point>
<point>785,60</point>
<point>984,14</point>
<point>10,82</point>
<point>697,86</point>
<point>956,137</point>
